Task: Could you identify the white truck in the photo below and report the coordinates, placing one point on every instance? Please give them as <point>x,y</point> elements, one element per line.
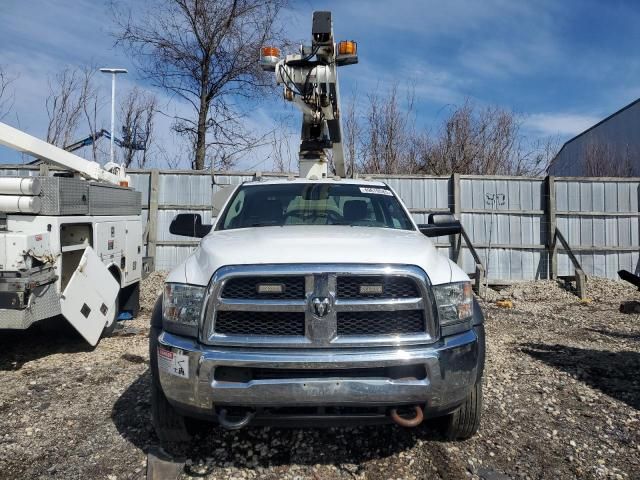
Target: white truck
<point>70,242</point>
<point>316,299</point>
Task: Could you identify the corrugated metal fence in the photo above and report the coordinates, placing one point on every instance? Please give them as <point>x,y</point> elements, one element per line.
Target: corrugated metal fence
<point>510,220</point>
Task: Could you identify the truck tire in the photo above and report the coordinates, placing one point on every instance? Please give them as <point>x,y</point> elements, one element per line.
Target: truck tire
<point>170,426</point>
<point>464,422</point>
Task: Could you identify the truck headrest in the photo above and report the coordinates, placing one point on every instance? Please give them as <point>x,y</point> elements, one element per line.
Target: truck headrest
<point>354,210</point>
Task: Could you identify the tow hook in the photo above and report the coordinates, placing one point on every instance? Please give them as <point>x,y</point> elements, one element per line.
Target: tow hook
<point>408,422</point>
<point>229,425</point>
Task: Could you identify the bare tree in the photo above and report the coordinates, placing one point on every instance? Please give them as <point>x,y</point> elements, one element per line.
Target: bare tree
<point>73,107</point>
<point>602,159</point>
<point>281,150</point>
<point>7,95</point>
<point>387,133</point>
<point>352,135</point>
<point>205,52</point>
<point>534,160</point>
<point>471,140</point>
<point>175,158</point>
<point>486,141</point>
<point>64,106</point>
<point>137,114</point>
<point>90,106</point>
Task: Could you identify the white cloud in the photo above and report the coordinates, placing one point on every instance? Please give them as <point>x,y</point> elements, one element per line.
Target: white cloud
<point>563,124</point>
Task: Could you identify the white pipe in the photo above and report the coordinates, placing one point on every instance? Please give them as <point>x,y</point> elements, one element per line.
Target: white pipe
<point>19,204</point>
<point>20,186</point>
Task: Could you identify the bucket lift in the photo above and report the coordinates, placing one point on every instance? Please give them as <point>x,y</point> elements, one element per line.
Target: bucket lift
<point>310,80</point>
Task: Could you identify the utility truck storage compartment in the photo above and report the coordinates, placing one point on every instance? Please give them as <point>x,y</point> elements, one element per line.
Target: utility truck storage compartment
<point>74,239</point>
<point>74,196</point>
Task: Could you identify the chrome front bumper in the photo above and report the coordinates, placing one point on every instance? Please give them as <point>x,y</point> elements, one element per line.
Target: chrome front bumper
<point>452,366</point>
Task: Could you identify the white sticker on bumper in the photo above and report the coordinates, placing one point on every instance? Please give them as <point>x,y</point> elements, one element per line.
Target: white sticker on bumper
<point>173,363</point>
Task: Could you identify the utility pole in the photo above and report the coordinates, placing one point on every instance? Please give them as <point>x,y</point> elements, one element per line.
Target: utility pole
<point>113,72</point>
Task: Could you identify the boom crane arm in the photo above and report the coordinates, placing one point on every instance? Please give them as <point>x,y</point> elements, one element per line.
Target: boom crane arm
<point>310,80</point>
<point>23,142</point>
<point>130,140</point>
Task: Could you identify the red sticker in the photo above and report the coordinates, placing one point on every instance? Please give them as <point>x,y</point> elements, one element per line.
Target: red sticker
<point>165,353</point>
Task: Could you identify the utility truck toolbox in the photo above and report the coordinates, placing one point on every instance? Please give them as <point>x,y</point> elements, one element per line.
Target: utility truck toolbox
<point>315,299</point>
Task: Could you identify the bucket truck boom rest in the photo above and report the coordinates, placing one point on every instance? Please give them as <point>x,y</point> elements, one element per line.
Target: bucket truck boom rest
<point>310,80</point>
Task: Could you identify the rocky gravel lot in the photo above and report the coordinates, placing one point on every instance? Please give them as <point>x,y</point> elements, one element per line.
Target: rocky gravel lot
<point>562,400</point>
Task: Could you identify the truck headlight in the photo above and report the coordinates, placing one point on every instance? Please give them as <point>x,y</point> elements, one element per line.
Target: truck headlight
<point>182,307</point>
<point>454,301</point>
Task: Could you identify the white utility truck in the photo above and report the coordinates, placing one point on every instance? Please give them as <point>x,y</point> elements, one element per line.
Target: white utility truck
<point>70,241</point>
<point>316,299</point>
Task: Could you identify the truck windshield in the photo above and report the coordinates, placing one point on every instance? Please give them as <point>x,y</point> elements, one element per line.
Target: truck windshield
<point>314,204</point>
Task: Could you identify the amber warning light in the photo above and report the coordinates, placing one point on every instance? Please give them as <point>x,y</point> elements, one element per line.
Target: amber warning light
<point>269,57</point>
<point>347,52</point>
<point>347,47</point>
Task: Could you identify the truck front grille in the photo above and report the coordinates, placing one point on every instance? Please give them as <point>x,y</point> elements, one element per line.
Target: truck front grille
<point>247,287</point>
<point>318,305</point>
<point>260,323</point>
<point>392,287</point>
<point>407,322</point>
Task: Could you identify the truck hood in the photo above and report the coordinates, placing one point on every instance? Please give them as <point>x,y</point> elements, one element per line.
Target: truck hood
<point>314,244</point>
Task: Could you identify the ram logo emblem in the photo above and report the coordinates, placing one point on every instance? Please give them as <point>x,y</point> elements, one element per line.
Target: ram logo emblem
<point>321,306</point>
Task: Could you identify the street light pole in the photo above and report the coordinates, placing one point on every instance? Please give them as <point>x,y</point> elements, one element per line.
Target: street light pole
<point>113,72</point>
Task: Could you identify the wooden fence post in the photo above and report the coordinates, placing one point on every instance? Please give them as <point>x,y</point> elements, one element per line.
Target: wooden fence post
<point>152,222</point>
<point>552,253</point>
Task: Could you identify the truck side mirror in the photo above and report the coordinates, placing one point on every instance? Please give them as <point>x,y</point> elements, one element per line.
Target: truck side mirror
<point>441,224</point>
<point>189,225</point>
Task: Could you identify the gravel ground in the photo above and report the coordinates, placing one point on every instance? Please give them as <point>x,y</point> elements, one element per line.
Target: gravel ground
<point>562,400</point>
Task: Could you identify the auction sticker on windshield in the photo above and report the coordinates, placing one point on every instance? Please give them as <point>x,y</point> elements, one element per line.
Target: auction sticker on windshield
<point>173,363</point>
<point>376,191</point>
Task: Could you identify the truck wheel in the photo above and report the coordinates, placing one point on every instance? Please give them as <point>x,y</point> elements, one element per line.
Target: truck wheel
<point>170,426</point>
<point>464,422</point>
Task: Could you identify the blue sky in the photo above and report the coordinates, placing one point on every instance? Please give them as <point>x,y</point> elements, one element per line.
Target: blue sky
<point>563,65</point>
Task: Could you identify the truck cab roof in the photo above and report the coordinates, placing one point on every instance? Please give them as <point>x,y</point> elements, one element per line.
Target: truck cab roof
<point>349,181</point>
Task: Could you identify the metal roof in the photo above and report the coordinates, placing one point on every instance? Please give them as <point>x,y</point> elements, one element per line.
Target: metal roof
<point>592,127</point>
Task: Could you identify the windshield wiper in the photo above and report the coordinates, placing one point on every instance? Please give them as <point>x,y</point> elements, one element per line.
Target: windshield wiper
<point>271,223</point>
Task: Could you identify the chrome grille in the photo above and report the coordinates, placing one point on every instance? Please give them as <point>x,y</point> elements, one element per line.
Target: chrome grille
<point>323,307</point>
<point>260,323</point>
<point>247,287</point>
<point>408,322</point>
<point>392,287</point>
